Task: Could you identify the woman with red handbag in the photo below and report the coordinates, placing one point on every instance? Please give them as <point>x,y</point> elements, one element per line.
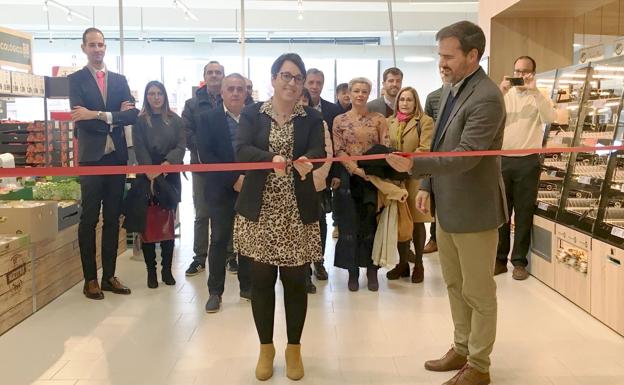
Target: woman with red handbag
<point>159,138</point>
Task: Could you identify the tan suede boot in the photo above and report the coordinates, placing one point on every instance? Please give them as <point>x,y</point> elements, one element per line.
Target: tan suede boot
<point>294,363</point>
<point>264,369</point>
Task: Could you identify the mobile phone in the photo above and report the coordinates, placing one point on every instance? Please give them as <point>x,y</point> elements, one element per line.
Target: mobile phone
<point>516,81</point>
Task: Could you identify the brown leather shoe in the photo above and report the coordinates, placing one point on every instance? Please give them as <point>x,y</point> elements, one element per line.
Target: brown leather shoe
<point>469,376</point>
<point>92,290</point>
<point>520,273</point>
<point>115,286</point>
<point>430,247</point>
<point>450,361</point>
<point>500,268</point>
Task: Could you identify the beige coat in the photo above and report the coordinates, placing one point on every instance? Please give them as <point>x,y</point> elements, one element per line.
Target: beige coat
<point>411,141</point>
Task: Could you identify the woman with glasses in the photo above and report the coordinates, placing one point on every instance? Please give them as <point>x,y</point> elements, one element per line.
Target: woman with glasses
<point>355,202</point>
<point>158,137</point>
<point>411,131</point>
<point>277,210</point>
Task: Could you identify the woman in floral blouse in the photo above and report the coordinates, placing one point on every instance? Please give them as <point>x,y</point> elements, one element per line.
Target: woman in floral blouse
<point>354,133</point>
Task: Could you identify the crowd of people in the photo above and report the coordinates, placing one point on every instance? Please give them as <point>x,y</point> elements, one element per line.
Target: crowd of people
<point>270,222</point>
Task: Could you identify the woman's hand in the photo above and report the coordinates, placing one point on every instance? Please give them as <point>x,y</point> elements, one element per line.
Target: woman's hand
<point>279,171</point>
<point>422,201</point>
<point>302,167</point>
<point>361,173</point>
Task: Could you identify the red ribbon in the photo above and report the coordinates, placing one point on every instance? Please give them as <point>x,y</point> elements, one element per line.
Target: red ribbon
<point>215,167</point>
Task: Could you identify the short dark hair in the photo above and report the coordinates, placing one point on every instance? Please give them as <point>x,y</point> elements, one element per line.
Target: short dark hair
<point>342,87</point>
<point>469,34</point>
<point>392,71</point>
<point>292,57</point>
<point>529,58</point>
<point>88,31</point>
<point>214,62</point>
<point>315,71</point>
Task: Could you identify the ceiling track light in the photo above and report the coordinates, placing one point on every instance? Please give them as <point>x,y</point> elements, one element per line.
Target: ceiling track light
<point>187,12</point>
<point>70,12</point>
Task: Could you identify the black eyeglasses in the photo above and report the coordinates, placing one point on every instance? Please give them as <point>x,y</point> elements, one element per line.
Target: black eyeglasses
<point>287,77</point>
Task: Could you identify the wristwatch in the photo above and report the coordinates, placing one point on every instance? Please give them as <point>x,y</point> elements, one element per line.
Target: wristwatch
<point>100,115</point>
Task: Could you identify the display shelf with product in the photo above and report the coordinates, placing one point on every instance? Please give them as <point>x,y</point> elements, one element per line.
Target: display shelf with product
<point>568,92</point>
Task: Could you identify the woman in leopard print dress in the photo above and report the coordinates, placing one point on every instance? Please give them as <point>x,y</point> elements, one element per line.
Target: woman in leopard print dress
<point>277,211</point>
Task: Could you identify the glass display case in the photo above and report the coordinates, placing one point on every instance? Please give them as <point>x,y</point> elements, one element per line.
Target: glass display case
<point>597,120</point>
<point>568,94</point>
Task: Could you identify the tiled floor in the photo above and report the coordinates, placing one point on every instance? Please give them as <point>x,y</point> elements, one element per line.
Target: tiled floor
<point>164,337</point>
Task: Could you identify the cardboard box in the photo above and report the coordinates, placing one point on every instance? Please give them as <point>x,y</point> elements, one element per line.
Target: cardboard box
<point>38,219</point>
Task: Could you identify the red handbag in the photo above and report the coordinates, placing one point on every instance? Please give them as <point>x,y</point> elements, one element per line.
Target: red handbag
<point>159,224</point>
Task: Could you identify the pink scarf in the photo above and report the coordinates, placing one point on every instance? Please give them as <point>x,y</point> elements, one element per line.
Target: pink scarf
<point>403,117</point>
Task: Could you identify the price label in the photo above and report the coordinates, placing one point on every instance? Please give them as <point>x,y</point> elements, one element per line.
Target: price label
<point>622,187</point>
<point>552,173</point>
<point>557,140</point>
<point>617,232</point>
<point>585,179</point>
<point>542,206</point>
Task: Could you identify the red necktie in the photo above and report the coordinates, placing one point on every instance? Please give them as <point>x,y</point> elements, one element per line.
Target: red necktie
<point>100,75</point>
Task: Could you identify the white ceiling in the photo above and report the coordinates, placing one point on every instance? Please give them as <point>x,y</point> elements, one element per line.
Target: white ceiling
<point>416,21</point>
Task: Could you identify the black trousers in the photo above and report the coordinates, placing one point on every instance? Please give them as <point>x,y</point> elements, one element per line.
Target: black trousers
<point>221,226</point>
<point>100,192</point>
<point>521,177</point>
<point>263,279</point>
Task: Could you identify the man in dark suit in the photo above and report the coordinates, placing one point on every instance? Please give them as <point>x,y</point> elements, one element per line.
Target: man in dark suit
<point>101,106</point>
<point>392,80</point>
<point>215,144</point>
<point>205,99</point>
<point>432,107</point>
<point>315,79</point>
<point>468,196</point>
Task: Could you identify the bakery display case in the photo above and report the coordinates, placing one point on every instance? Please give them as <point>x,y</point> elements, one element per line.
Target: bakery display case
<point>597,122</point>
<point>568,93</point>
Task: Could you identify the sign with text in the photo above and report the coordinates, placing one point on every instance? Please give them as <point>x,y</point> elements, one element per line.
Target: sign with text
<point>593,53</point>
<point>16,49</point>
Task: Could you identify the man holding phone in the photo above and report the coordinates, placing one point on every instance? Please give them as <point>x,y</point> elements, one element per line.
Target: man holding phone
<point>101,106</point>
<point>528,111</point>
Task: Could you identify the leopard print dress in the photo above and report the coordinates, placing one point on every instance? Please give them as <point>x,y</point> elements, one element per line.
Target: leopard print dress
<point>279,237</point>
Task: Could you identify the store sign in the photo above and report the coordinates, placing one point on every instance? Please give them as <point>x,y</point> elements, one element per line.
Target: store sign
<point>16,49</point>
<point>591,53</point>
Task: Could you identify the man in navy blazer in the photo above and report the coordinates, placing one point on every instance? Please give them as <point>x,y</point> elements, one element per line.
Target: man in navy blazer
<point>101,106</point>
<point>215,138</point>
<point>315,79</point>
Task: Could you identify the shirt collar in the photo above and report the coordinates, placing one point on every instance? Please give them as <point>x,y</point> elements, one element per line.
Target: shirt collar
<point>389,102</point>
<point>457,86</point>
<point>94,70</point>
<point>231,115</point>
<point>318,107</point>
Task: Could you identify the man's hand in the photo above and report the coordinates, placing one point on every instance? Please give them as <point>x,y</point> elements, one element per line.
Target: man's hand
<point>79,113</point>
<point>335,183</point>
<point>126,105</point>
<point>422,201</point>
<point>303,167</point>
<point>238,185</point>
<point>530,83</point>
<point>505,85</point>
<point>400,163</point>
<point>279,171</point>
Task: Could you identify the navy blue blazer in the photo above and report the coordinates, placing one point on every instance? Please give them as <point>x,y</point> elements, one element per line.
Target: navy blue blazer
<point>214,145</point>
<point>84,92</point>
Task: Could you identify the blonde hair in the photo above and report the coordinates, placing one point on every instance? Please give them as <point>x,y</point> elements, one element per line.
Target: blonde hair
<point>361,80</point>
<point>418,110</point>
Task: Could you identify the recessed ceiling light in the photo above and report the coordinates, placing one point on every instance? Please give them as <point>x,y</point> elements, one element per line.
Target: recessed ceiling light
<point>418,59</point>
